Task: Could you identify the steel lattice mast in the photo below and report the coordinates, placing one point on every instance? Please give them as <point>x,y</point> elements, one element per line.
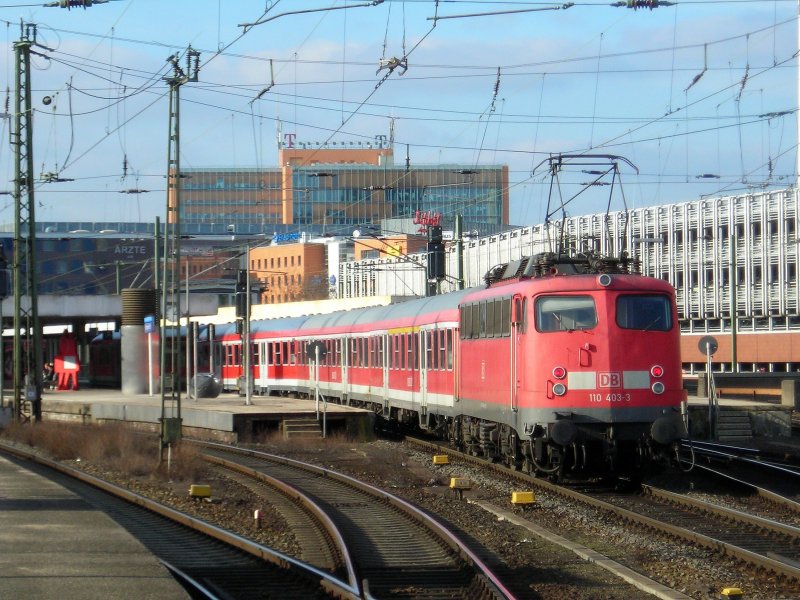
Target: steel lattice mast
<point>27,335</point>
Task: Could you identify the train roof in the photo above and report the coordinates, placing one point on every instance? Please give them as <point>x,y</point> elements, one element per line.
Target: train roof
<point>407,310</point>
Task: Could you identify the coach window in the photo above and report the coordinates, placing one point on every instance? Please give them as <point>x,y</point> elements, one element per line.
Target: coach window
<point>398,350</point>
<point>256,354</point>
<point>398,359</point>
<point>500,316</point>
<point>428,350</point>
<point>648,312</point>
<point>487,319</point>
<point>565,313</point>
<point>466,322</point>
<point>450,338</point>
<point>472,321</point>
<point>417,350</point>
<point>401,343</point>
<point>380,351</point>
<point>353,352</point>
<point>505,316</point>
<point>392,343</point>
<point>443,349</point>
<point>277,353</point>
<point>521,310</point>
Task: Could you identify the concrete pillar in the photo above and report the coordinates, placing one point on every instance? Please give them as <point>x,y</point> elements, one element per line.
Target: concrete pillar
<point>136,304</point>
<point>790,393</point>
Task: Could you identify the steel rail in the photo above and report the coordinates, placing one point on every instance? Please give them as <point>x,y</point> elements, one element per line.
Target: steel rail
<point>406,507</point>
<point>727,513</point>
<point>333,585</point>
<point>739,454</point>
<point>788,569</point>
<point>792,505</point>
<point>317,512</point>
<point>187,580</point>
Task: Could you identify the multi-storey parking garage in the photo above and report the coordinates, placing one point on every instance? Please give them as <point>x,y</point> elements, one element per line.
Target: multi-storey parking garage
<point>734,255</point>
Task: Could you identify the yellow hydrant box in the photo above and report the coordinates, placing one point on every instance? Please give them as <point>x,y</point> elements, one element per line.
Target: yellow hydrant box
<point>200,491</point>
<point>522,498</point>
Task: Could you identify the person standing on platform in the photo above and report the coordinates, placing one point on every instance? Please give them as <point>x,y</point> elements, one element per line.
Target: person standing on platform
<point>48,376</point>
<point>67,364</point>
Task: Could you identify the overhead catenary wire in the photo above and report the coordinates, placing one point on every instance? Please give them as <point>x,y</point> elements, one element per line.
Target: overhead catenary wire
<point>686,132</point>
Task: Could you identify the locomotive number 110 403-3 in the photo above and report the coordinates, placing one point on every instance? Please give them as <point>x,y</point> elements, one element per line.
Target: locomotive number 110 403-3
<point>616,397</point>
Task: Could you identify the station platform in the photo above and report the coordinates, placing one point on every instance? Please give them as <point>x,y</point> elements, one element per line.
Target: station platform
<point>768,426</point>
<point>56,546</point>
<point>226,418</point>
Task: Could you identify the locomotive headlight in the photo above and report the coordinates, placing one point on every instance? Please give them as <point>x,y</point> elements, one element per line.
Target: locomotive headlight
<point>604,280</point>
<point>657,387</point>
<point>559,389</point>
<point>559,372</point>
<point>657,371</point>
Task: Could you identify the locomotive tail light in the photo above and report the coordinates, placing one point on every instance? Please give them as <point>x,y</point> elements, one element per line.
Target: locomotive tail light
<point>657,387</point>
<point>604,280</point>
<point>657,371</point>
<point>559,389</point>
<point>559,372</point>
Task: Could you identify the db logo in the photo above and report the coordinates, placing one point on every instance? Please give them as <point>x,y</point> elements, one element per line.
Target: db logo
<point>609,380</point>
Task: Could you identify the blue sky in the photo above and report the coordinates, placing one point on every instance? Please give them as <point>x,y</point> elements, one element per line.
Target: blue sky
<point>588,78</point>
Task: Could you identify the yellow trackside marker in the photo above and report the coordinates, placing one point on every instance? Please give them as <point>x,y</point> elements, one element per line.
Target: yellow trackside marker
<point>732,592</point>
<point>522,498</point>
<point>200,491</point>
<point>441,459</point>
<point>460,483</point>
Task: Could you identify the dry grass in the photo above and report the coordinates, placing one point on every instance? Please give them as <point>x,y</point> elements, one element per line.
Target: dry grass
<point>275,441</point>
<point>183,463</point>
<point>111,447</point>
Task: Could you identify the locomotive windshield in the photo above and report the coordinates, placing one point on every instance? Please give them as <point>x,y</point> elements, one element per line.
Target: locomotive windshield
<point>565,313</point>
<point>645,312</point>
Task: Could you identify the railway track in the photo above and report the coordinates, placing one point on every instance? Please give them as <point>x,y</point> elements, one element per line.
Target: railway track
<point>211,562</point>
<point>762,543</point>
<point>386,546</point>
<point>777,482</point>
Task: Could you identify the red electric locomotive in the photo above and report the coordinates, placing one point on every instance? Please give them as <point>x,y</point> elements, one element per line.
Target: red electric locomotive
<point>560,365</point>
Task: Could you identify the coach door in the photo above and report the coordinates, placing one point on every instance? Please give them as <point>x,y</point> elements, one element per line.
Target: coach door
<point>516,321</point>
<point>344,357</point>
<point>382,342</point>
<point>423,351</point>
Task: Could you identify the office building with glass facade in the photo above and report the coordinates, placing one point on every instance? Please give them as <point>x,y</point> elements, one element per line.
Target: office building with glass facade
<point>330,190</point>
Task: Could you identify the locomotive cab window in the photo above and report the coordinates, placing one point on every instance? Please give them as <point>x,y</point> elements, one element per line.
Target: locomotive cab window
<point>647,312</point>
<point>565,313</point>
